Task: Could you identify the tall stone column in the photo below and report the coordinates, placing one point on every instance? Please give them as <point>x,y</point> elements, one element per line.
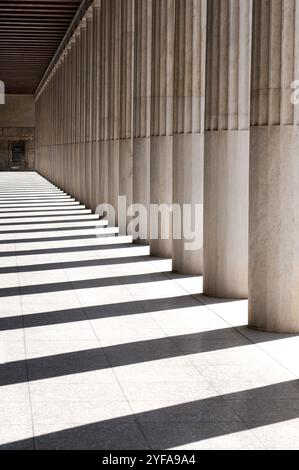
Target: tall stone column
<point>72,162</point>
<point>83,98</point>
<point>274,169</point>
<point>72,86</point>
<point>126,107</point>
<point>88,107</point>
<point>188,138</point>
<point>142,113</point>
<point>64,152</point>
<point>78,113</point>
<point>104,46</point>
<point>114,100</point>
<point>96,85</point>
<point>226,162</point>
<point>162,122</point>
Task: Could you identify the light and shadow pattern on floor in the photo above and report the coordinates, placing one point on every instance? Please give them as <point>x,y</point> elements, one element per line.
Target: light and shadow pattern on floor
<point>103,347</point>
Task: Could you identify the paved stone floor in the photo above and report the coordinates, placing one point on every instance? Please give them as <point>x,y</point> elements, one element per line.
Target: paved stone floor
<point>102,347</point>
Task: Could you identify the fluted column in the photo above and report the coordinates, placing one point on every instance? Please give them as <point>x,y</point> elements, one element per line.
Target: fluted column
<point>226,173</point>
<point>96,86</point>
<point>77,114</point>
<point>103,48</point>
<point>274,169</point>
<point>68,153</point>
<point>142,112</point>
<point>89,180</point>
<point>114,108</point>
<point>83,97</point>
<point>71,147</point>
<point>162,119</point>
<point>188,138</point>
<point>126,107</point>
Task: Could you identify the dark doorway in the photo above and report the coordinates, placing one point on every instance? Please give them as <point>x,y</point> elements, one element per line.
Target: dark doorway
<point>17,155</point>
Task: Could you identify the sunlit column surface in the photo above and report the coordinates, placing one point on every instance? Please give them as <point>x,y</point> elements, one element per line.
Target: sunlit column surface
<point>226,159</point>
<point>188,139</point>
<point>114,106</point>
<point>274,169</point>
<point>126,105</point>
<point>162,116</point>
<point>142,112</point>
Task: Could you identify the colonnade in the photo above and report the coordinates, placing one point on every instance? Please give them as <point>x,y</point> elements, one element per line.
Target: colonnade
<point>188,102</point>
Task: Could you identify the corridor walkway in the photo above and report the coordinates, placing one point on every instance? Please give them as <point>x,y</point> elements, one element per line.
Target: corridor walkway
<point>102,347</point>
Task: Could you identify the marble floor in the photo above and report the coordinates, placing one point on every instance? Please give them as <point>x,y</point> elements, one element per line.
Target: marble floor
<point>103,347</point>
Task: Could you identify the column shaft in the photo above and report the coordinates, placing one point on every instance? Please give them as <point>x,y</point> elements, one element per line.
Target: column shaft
<point>274,169</point>
<point>126,106</point>
<point>142,113</point>
<point>162,122</point>
<point>114,98</point>
<point>188,139</point>
<point>226,171</point>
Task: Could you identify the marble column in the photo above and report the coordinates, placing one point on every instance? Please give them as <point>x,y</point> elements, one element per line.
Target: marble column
<point>188,135</point>
<point>83,98</point>
<point>104,46</point>
<point>77,114</point>
<point>226,174</point>
<point>89,180</point>
<point>274,169</point>
<point>126,108</point>
<point>142,114</point>
<point>162,124</point>
<point>72,104</point>
<point>96,85</point>
<point>114,100</point>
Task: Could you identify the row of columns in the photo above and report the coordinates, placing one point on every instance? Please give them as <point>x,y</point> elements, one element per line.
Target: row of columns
<point>188,102</point>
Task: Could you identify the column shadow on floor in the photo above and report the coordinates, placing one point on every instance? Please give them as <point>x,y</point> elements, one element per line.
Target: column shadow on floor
<point>123,355</point>
<point>61,238</point>
<point>75,264</point>
<point>179,425</point>
<point>84,284</point>
<point>72,249</point>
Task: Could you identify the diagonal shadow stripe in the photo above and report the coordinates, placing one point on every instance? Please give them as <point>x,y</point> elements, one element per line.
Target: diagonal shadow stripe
<point>74,249</point>
<point>179,425</point>
<point>51,229</point>
<point>86,284</point>
<point>58,216</point>
<point>56,239</point>
<point>75,264</point>
<point>89,218</point>
<point>97,312</point>
<point>122,355</point>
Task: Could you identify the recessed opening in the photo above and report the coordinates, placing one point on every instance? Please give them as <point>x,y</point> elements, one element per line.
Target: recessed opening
<point>17,155</point>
